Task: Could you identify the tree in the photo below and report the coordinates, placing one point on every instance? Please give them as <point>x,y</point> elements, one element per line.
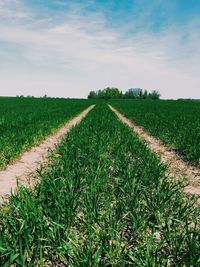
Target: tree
<point>155,95</point>
<point>134,93</point>
<point>145,95</point>
<point>92,95</point>
<point>107,93</point>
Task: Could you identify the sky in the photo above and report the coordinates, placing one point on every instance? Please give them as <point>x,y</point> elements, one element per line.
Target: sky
<point>65,48</point>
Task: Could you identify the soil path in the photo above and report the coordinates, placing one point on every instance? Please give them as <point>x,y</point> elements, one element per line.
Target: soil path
<point>30,161</point>
<point>177,168</point>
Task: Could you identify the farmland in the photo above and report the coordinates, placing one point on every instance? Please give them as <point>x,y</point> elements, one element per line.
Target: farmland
<point>24,122</point>
<point>176,123</point>
<point>104,200</point>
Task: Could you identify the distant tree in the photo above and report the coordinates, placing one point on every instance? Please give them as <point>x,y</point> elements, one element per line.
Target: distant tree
<point>29,96</point>
<point>145,94</point>
<point>107,93</point>
<point>155,95</point>
<point>92,94</point>
<point>141,94</point>
<point>133,93</point>
<point>115,93</point>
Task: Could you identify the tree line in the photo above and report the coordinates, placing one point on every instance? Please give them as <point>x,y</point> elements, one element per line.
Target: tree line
<point>115,93</point>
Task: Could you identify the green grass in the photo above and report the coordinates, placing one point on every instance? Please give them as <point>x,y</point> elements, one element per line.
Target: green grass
<point>104,201</point>
<point>176,123</point>
<point>24,122</point>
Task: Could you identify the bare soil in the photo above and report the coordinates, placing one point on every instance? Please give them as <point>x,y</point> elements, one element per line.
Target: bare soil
<point>176,167</point>
<point>22,169</point>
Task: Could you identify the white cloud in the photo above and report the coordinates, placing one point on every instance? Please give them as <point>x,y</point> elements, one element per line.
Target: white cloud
<point>71,55</point>
<point>12,11</point>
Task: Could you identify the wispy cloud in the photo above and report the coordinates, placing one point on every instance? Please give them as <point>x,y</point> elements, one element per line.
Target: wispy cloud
<point>12,11</point>
<point>77,48</point>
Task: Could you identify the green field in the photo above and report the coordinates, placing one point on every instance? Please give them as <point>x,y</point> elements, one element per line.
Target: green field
<point>105,200</point>
<point>24,122</point>
<point>176,123</point>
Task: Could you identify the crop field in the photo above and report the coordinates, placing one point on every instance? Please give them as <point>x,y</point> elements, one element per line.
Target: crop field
<point>176,123</point>
<point>24,122</point>
<point>104,200</point>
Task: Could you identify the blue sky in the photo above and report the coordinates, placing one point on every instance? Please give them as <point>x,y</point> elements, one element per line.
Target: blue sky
<point>68,47</point>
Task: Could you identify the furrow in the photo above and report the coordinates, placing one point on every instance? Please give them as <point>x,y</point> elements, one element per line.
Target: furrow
<point>177,168</point>
<point>22,169</point>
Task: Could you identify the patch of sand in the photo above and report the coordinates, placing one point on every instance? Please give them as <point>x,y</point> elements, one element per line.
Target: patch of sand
<point>177,168</point>
<point>30,161</point>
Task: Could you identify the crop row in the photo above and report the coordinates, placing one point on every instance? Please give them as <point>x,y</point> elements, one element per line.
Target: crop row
<point>104,200</point>
<point>176,123</point>
<point>24,122</point>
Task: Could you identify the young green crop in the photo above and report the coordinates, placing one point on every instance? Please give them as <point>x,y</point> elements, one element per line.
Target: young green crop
<point>176,123</point>
<point>24,122</point>
<point>104,201</point>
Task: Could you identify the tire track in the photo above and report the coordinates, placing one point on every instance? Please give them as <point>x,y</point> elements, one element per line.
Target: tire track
<point>176,167</point>
<point>23,168</point>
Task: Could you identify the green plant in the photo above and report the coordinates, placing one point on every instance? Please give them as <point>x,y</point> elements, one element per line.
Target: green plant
<point>104,200</point>
<point>25,122</point>
<point>176,123</point>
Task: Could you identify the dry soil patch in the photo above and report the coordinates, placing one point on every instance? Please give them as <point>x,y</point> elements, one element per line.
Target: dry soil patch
<point>177,168</point>
<point>30,161</point>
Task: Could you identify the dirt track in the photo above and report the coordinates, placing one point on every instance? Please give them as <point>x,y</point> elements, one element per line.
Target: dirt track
<point>177,168</point>
<point>29,162</point>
